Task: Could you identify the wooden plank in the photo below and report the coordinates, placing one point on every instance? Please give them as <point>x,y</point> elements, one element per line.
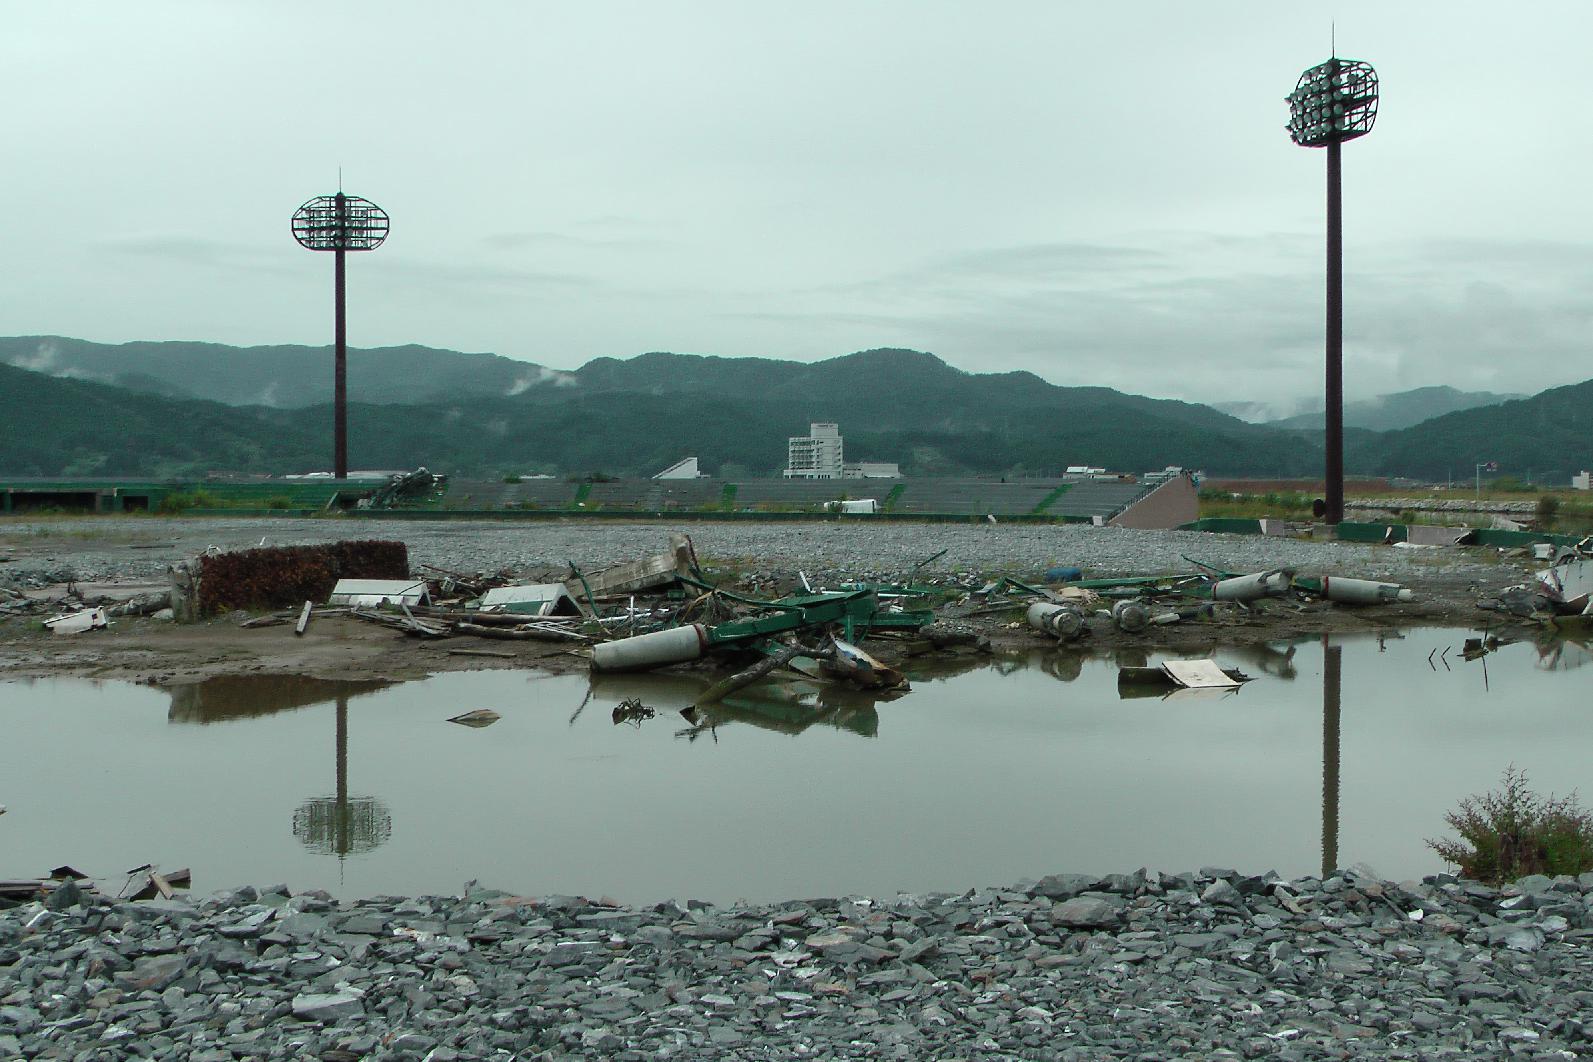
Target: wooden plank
<point>304,618</point>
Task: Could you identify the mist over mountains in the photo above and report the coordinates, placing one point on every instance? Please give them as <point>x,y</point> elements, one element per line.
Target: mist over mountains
<point>1403,409</point>
<point>172,409</point>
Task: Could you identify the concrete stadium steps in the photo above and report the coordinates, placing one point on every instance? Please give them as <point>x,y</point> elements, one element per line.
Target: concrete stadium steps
<point>1098,498</point>
<point>961,497</point>
<point>491,494</point>
<point>656,495</point>
<point>809,493</point>
<point>975,497</point>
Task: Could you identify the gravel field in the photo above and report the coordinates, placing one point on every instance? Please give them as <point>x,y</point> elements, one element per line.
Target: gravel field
<point>101,548</point>
<point>1132,966</point>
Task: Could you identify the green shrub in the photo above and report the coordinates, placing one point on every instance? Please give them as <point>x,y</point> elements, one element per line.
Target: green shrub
<point>1513,832</point>
<point>1548,507</point>
<point>512,479</point>
<point>279,501</point>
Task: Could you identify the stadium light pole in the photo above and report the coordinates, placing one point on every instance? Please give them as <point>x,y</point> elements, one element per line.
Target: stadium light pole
<point>340,223</point>
<point>1333,102</point>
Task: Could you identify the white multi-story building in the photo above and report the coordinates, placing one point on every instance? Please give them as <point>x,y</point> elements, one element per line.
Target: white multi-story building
<point>1583,481</point>
<point>816,455</point>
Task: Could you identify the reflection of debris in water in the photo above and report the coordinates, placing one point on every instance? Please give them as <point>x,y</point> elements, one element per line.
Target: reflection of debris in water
<point>632,711</point>
<point>479,718</point>
<point>228,697</point>
<point>1278,663</point>
<point>789,708</point>
<point>1063,666</point>
<point>1563,653</point>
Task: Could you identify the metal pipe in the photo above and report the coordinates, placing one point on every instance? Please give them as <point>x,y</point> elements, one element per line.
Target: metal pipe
<point>1334,442</point>
<point>677,645</point>
<point>1363,591</point>
<point>1251,587</point>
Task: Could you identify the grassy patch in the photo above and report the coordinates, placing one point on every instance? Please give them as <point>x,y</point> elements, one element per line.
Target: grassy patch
<point>1291,505</point>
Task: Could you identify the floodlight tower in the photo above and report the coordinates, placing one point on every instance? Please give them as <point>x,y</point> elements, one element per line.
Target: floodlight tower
<point>1333,102</point>
<point>339,223</point>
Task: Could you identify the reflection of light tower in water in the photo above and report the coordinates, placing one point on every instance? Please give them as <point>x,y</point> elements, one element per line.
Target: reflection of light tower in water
<point>342,825</point>
<point>1332,658</point>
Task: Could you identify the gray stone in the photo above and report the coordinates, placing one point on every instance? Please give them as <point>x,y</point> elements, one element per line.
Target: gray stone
<point>1087,912</point>
<point>153,973</point>
<point>1063,886</point>
<point>67,894</point>
<point>328,1006</point>
<point>1221,893</point>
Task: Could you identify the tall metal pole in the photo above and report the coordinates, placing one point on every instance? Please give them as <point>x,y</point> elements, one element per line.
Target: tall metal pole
<point>1333,102</point>
<point>1334,442</point>
<point>340,378</point>
<point>340,223</point>
<point>1332,657</point>
<point>340,381</point>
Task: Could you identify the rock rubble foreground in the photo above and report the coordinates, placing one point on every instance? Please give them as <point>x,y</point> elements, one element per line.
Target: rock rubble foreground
<point>1144,965</point>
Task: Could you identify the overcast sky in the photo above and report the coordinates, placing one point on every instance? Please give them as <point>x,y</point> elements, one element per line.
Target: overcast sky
<point>1099,193</point>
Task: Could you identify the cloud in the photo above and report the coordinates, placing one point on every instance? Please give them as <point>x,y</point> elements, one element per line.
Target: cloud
<point>477,276</point>
<point>541,375</point>
<point>46,358</point>
<point>196,251</point>
<point>516,241</point>
<point>1219,317</point>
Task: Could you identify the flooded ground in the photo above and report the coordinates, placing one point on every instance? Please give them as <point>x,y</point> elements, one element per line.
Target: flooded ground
<point>1339,754</point>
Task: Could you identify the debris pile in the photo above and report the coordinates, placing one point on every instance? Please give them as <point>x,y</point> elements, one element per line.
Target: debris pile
<point>1133,605</point>
<point>66,887</point>
<point>75,610</point>
<point>279,576</point>
<point>1560,595</point>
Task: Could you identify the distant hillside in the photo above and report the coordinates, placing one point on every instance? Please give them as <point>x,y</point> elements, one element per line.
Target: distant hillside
<point>1547,435</point>
<point>635,417</point>
<point>1402,410</point>
<point>286,377</point>
<point>78,428</point>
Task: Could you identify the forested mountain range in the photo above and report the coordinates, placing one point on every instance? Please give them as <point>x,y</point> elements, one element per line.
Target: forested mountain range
<point>90,409</point>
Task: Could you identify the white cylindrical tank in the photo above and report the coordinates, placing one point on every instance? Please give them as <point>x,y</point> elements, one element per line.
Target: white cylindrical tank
<point>1253,587</point>
<point>1064,621</point>
<point>678,645</point>
<point>1131,616</point>
<point>1362,591</point>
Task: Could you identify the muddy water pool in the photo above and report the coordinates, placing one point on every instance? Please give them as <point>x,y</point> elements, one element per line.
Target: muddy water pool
<point>1339,753</point>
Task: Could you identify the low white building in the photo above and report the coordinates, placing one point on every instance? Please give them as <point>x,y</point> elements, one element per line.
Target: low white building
<point>871,470</point>
<point>1582,481</point>
<point>816,455</point>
